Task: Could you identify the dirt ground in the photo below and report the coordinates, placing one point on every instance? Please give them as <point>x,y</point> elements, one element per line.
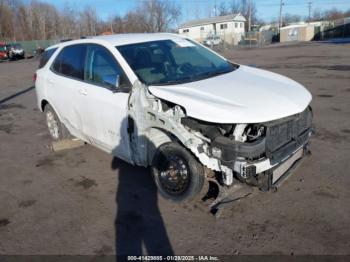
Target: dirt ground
<point>80,201</point>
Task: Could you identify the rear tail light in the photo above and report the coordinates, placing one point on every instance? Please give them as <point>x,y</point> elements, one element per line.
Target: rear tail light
<point>34,77</point>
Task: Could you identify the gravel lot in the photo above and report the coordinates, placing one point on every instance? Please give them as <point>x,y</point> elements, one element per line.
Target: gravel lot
<point>80,201</point>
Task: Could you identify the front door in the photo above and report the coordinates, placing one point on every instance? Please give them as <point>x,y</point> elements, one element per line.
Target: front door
<point>103,106</point>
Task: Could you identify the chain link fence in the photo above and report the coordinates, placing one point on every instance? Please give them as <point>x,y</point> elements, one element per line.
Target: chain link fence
<point>30,46</point>
<point>337,29</point>
<point>248,40</point>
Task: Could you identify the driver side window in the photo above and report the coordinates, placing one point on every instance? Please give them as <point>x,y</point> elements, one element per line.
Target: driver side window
<point>102,69</point>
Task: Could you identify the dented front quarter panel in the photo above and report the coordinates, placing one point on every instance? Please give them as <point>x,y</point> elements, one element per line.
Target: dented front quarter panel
<point>148,115</point>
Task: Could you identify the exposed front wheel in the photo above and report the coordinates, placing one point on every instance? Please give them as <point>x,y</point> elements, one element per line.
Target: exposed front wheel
<point>56,129</point>
<point>178,175</point>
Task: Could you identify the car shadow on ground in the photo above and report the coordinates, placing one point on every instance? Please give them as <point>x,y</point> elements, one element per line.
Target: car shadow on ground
<point>139,226</point>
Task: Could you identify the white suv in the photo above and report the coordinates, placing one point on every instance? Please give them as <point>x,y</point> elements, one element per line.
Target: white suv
<point>165,101</point>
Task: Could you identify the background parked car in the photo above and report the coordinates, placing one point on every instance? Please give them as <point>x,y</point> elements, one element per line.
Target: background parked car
<point>213,40</point>
<point>15,51</point>
<point>3,52</point>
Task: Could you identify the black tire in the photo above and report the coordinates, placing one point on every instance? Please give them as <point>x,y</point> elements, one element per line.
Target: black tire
<point>177,174</point>
<point>62,131</point>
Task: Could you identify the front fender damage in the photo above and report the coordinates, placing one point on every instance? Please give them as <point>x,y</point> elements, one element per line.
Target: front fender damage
<point>150,114</point>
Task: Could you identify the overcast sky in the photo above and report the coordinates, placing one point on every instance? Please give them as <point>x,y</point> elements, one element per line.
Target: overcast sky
<point>267,9</point>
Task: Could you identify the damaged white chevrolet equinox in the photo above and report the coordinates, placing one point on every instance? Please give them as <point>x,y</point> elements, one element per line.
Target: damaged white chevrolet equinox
<point>165,101</point>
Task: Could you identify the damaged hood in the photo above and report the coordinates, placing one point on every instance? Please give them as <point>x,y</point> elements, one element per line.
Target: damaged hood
<point>246,95</point>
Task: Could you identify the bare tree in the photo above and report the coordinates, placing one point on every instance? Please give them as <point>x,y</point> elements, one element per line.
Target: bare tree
<point>247,8</point>
<point>6,22</point>
<point>40,20</point>
<point>88,21</point>
<point>118,24</point>
<point>23,22</point>
<point>291,18</point>
<point>317,15</point>
<point>223,9</point>
<point>135,22</point>
<point>159,15</point>
<point>333,14</point>
<point>68,22</point>
<point>235,6</point>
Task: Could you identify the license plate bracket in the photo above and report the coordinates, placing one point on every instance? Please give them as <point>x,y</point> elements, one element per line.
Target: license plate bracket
<point>281,171</point>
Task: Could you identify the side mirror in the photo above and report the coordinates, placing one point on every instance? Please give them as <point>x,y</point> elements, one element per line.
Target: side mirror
<point>112,81</point>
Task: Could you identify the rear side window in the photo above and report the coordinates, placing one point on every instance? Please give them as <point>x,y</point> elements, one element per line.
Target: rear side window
<point>46,57</point>
<point>70,61</point>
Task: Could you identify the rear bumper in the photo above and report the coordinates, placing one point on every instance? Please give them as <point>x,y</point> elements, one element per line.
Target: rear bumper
<point>21,55</point>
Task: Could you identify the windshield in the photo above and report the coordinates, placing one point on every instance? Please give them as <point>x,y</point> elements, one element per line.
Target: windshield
<point>175,61</point>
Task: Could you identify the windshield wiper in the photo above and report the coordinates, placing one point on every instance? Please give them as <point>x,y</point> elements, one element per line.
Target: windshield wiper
<point>176,81</point>
<point>193,78</point>
<point>216,73</point>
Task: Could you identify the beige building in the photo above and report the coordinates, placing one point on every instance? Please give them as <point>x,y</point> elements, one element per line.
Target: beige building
<point>301,31</point>
<point>230,28</point>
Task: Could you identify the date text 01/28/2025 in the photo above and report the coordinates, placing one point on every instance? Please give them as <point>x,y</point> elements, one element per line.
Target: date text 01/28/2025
<point>173,258</point>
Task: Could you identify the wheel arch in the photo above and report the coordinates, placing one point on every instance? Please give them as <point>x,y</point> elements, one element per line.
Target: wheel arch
<point>157,137</point>
<point>43,103</point>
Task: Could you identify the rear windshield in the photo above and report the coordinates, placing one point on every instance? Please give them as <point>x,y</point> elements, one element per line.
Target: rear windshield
<point>46,57</point>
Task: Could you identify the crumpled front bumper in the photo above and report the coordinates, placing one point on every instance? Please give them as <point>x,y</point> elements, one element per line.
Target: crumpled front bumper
<point>269,158</point>
<point>264,173</point>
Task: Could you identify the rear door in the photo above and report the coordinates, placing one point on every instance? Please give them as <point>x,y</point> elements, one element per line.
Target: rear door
<point>65,86</point>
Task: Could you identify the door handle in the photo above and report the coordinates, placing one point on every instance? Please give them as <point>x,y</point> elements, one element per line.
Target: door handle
<point>83,91</point>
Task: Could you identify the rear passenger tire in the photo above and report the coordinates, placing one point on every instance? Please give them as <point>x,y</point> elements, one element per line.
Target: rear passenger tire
<point>56,129</point>
<point>178,175</point>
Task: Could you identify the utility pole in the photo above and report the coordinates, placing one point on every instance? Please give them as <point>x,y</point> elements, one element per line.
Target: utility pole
<point>250,16</point>
<point>215,9</point>
<point>280,20</point>
<point>112,27</point>
<point>310,5</point>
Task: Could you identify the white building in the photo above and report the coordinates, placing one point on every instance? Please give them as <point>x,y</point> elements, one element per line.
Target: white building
<point>230,28</point>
